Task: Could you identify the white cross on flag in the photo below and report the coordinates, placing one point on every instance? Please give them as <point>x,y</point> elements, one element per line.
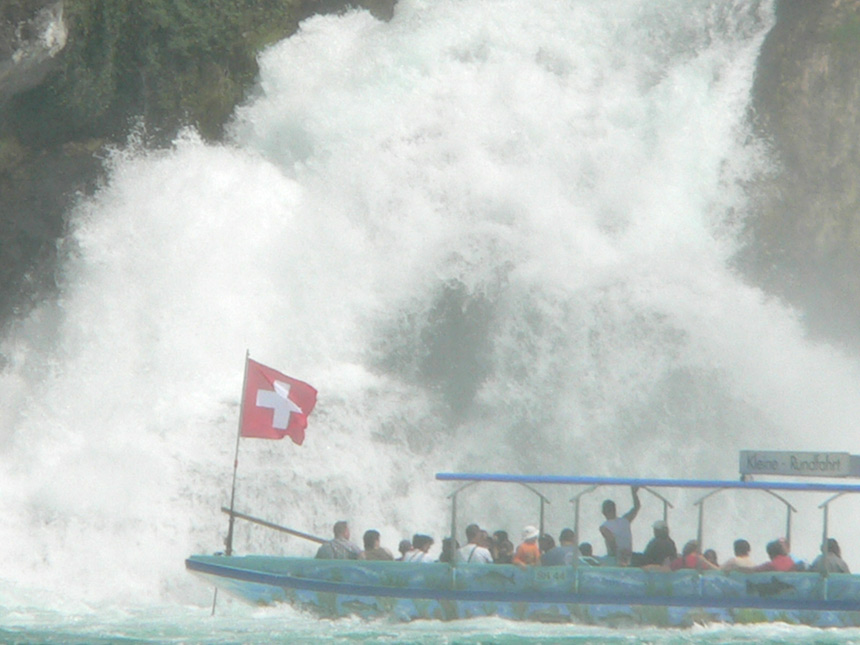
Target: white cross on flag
<point>274,405</point>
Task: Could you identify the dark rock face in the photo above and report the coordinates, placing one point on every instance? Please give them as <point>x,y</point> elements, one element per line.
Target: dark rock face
<point>806,238</point>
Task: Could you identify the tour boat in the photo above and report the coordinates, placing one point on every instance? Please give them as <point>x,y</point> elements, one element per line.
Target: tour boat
<point>582,594</point>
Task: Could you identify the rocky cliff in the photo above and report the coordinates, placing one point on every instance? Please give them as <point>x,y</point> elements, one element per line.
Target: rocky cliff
<point>806,235</point>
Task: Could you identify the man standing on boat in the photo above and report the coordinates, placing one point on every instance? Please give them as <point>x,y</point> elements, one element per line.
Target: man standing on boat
<point>616,530</point>
<point>474,552</point>
<point>340,548</point>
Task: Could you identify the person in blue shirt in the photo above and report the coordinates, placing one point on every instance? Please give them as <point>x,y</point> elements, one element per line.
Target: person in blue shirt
<point>564,553</point>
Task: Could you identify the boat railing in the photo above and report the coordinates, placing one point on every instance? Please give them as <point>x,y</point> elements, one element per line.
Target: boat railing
<point>713,487</point>
<point>453,497</point>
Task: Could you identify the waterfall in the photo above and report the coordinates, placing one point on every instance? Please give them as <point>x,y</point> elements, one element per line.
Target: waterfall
<point>494,236</point>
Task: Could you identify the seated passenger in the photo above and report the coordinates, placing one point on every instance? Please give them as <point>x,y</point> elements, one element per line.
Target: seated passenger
<point>799,563</point>
<point>474,552</point>
<point>779,561</point>
<point>420,546</point>
<point>742,559</point>
<point>691,558</point>
<point>340,548</point>
<point>545,543</point>
<point>528,553</point>
<point>830,560</point>
<point>564,553</point>
<point>449,550</point>
<point>404,547</point>
<point>503,548</point>
<point>661,550</point>
<point>586,555</point>
<point>711,556</point>
<point>372,550</point>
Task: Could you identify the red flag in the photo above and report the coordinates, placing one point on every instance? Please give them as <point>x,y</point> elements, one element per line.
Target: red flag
<point>275,405</point>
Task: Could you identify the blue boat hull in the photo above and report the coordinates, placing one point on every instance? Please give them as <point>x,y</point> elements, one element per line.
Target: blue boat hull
<point>588,595</point>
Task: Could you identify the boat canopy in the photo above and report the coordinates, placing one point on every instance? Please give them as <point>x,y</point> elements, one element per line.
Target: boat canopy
<point>649,482</point>
<point>713,487</point>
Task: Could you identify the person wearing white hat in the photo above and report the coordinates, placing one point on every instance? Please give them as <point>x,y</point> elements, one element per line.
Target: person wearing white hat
<point>528,553</point>
<point>661,548</point>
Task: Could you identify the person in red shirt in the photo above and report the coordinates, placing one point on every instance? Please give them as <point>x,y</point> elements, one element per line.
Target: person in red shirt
<point>691,558</point>
<point>779,560</point>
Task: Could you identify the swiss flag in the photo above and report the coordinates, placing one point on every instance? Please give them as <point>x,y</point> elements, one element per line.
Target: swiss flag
<point>275,405</point>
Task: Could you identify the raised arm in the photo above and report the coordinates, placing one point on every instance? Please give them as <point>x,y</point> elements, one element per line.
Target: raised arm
<point>633,512</point>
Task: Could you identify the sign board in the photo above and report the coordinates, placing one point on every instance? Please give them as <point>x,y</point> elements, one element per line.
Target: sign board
<point>795,464</point>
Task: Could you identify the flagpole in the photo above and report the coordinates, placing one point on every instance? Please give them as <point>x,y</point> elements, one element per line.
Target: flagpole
<point>229,541</point>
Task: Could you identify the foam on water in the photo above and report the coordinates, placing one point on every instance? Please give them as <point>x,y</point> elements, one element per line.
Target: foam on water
<point>494,236</point>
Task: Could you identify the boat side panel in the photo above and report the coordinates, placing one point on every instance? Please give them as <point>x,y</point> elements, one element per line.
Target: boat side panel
<point>556,594</point>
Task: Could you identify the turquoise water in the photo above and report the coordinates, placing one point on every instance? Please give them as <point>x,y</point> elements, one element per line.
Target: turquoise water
<point>241,625</point>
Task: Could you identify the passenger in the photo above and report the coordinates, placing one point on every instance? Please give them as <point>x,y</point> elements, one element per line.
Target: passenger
<point>586,555</point>
<point>372,550</point>
<point>799,563</point>
<point>779,561</point>
<point>545,543</point>
<point>528,553</point>
<point>742,559</point>
<point>340,548</point>
<point>711,556</point>
<point>503,548</point>
<point>404,547</point>
<point>473,552</point>
<point>564,553</point>
<point>449,550</point>
<point>661,550</point>
<point>691,558</point>
<point>616,530</point>
<point>420,546</point>
<point>830,560</point>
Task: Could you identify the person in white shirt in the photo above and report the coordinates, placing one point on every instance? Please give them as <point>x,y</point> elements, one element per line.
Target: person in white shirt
<point>474,552</point>
<point>616,530</point>
<point>420,546</point>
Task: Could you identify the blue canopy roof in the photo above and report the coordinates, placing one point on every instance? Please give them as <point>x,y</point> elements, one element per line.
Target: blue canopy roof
<point>649,482</point>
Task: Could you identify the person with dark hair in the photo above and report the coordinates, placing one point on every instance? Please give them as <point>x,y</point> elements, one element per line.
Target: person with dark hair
<point>661,550</point>
<point>403,548</point>
<point>420,546</point>
<point>564,553</point>
<point>449,550</point>
<point>545,543</point>
<point>692,558</point>
<point>340,548</point>
<point>742,559</point>
<point>616,530</point>
<point>779,560</point>
<point>586,555</point>
<point>503,548</point>
<point>473,552</point>
<point>372,550</point>
<point>830,560</point>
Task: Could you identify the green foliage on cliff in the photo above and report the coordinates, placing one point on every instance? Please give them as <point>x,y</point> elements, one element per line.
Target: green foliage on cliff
<point>170,62</point>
